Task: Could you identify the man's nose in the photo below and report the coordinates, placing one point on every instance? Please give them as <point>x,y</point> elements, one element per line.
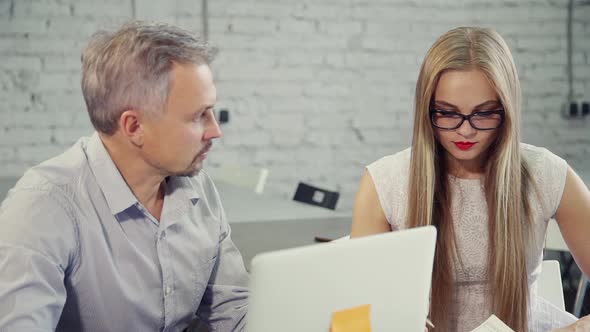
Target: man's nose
<point>212,130</point>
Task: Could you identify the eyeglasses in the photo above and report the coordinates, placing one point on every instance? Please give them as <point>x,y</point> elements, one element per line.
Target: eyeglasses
<point>483,120</point>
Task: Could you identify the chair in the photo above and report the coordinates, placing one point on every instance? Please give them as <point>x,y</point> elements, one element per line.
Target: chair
<point>550,287</point>
<point>554,241</point>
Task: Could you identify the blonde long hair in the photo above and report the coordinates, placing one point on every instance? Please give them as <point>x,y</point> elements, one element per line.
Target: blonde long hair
<point>507,178</point>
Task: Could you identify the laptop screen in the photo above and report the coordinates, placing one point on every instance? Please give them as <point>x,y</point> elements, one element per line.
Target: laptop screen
<point>300,289</point>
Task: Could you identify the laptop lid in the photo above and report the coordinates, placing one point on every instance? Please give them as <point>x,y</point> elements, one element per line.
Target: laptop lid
<point>299,289</point>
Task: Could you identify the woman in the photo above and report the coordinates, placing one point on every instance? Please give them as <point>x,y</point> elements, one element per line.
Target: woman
<point>489,195</point>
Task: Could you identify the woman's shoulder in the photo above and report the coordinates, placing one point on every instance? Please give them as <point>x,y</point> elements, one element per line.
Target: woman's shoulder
<point>397,160</point>
<point>540,158</point>
<point>390,176</point>
<point>530,151</point>
<point>548,172</point>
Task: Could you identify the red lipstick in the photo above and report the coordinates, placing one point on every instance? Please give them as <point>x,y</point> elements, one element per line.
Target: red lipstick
<point>464,145</point>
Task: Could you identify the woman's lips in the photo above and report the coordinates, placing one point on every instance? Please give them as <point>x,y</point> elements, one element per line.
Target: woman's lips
<point>464,145</point>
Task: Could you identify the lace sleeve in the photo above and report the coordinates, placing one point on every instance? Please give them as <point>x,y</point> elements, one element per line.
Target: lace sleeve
<point>390,175</point>
<point>549,173</point>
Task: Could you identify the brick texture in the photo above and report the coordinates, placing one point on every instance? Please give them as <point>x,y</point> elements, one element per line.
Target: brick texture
<point>316,89</point>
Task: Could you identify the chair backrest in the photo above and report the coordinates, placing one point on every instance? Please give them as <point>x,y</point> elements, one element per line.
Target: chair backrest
<point>553,238</point>
<point>549,286</point>
<point>554,241</point>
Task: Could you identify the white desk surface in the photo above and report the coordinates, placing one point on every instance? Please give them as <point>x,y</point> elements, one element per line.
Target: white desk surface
<point>262,222</point>
<point>253,238</point>
<point>243,205</point>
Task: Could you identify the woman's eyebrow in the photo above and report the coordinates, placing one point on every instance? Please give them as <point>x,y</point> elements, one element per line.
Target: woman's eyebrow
<point>491,102</point>
<point>488,103</point>
<point>444,103</point>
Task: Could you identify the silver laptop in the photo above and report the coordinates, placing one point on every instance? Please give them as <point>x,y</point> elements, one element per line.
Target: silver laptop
<point>298,290</point>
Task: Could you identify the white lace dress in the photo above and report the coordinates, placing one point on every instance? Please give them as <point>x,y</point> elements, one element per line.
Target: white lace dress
<point>390,175</point>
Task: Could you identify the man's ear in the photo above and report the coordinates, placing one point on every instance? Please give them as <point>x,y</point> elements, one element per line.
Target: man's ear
<point>130,123</point>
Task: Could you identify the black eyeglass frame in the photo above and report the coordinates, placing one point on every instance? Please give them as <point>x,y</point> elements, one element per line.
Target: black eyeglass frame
<point>464,117</point>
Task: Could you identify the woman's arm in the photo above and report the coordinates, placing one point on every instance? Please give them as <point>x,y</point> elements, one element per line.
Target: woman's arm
<point>573,217</point>
<point>582,325</point>
<point>367,214</point>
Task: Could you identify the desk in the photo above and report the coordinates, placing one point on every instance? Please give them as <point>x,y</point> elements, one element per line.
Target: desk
<point>256,237</point>
<point>262,222</point>
<point>243,205</point>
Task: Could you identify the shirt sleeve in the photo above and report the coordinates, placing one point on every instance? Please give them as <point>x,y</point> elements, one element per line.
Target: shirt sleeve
<point>390,175</point>
<point>224,304</point>
<point>37,244</point>
<point>549,172</point>
<point>556,170</point>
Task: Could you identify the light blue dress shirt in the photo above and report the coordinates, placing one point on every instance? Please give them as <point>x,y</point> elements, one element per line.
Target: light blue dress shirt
<point>78,252</point>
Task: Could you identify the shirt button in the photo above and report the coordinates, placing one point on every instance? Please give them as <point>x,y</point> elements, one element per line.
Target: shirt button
<point>162,235</point>
<point>168,290</point>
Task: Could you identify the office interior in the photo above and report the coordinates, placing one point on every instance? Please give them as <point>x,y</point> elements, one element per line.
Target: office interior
<point>309,93</point>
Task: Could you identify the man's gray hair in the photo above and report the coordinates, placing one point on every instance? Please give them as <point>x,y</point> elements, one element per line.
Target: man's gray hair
<point>130,68</point>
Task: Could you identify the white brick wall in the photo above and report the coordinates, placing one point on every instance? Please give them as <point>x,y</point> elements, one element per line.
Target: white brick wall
<point>316,89</point>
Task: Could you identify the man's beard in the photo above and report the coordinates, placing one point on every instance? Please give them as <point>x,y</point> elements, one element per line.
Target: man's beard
<point>194,171</point>
<point>195,167</point>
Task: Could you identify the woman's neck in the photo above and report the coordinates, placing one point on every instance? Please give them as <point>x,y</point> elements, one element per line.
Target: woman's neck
<point>465,169</point>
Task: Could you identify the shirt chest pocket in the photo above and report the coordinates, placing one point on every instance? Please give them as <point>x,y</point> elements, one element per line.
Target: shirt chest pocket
<point>195,250</point>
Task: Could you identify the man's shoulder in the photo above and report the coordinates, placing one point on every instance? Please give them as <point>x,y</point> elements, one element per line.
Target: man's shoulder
<point>57,175</point>
<point>40,212</point>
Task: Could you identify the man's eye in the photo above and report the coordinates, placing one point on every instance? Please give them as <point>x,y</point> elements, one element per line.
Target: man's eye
<point>200,116</point>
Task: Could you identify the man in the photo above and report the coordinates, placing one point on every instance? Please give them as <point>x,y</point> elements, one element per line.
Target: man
<point>124,232</point>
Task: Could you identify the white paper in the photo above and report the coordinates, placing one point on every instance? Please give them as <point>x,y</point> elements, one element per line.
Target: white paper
<point>493,324</point>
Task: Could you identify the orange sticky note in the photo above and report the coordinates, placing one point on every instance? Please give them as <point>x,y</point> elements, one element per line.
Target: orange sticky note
<point>355,319</point>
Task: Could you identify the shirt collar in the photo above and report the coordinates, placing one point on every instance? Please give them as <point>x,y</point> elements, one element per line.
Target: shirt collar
<point>184,182</point>
<point>117,193</point>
